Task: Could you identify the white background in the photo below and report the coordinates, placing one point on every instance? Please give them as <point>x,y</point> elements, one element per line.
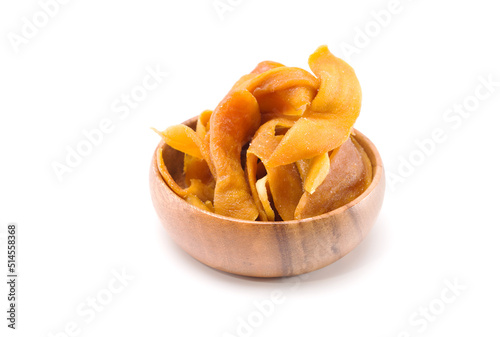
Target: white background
<point>439,222</point>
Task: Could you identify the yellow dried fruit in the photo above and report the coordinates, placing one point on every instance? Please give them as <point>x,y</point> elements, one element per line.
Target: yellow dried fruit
<point>277,146</point>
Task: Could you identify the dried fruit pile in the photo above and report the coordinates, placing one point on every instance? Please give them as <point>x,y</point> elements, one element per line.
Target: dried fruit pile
<point>278,146</point>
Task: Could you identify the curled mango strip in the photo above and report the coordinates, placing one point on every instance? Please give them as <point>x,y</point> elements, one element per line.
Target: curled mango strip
<point>265,66</point>
<point>350,174</point>
<point>262,187</point>
<point>195,201</point>
<point>201,168</point>
<point>310,136</point>
<point>277,147</point>
<point>328,122</point>
<point>284,184</point>
<point>316,172</point>
<point>284,181</point>
<point>244,81</point>
<point>203,191</point>
<point>232,125</point>
<point>251,171</point>
<point>196,168</point>
<point>196,187</point>
<point>186,140</point>
<point>289,102</point>
<point>167,177</point>
<point>303,167</point>
<point>286,189</point>
<point>182,138</point>
<point>279,89</point>
<point>203,124</point>
<point>265,140</point>
<point>193,143</point>
<point>339,92</point>
<point>281,78</point>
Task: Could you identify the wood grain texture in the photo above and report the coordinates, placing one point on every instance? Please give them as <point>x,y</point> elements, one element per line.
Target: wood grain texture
<point>266,249</point>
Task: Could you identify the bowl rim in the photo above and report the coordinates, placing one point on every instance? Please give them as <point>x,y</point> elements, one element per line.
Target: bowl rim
<point>378,174</point>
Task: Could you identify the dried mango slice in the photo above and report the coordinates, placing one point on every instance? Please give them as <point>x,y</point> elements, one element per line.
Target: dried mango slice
<point>286,189</point>
<point>265,66</point>
<point>262,187</point>
<point>210,206</point>
<point>285,90</point>
<point>284,181</point>
<point>312,135</point>
<point>203,124</point>
<point>281,78</point>
<point>196,168</point>
<point>339,92</point>
<point>290,102</point>
<point>244,81</point>
<point>182,138</point>
<point>195,201</point>
<point>349,175</point>
<point>303,167</point>
<point>167,177</point>
<point>331,116</point>
<point>186,140</point>
<point>288,120</point>
<point>204,191</point>
<point>317,170</point>
<point>251,171</point>
<point>190,142</point>
<point>265,140</point>
<point>232,124</point>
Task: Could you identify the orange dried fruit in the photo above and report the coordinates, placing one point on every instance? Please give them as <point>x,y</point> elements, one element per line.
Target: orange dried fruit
<point>317,170</point>
<point>278,146</point>
<point>349,176</point>
<point>263,192</point>
<point>286,189</point>
<point>232,125</point>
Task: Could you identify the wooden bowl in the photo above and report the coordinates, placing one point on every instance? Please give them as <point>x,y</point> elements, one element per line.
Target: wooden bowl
<point>266,249</point>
